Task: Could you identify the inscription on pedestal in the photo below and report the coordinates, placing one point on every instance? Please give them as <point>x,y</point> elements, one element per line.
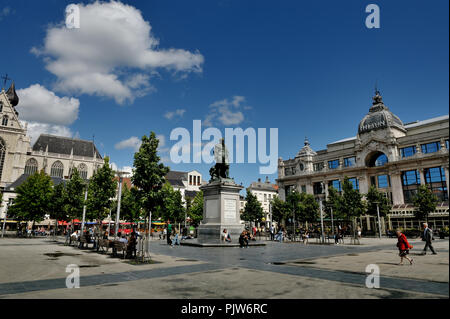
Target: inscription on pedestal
<point>229,209</point>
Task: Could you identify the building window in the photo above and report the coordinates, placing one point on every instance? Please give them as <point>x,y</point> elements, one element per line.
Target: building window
<point>350,161</point>
<point>5,120</point>
<point>2,155</point>
<point>317,188</point>
<point>336,184</point>
<point>83,170</point>
<point>287,171</point>
<point>265,197</point>
<point>410,183</point>
<point>57,169</point>
<point>31,167</point>
<point>446,144</point>
<point>289,189</point>
<point>1,106</point>
<point>431,147</point>
<point>381,160</point>
<point>383,181</point>
<point>355,182</point>
<point>318,166</point>
<point>407,151</point>
<point>294,170</point>
<point>333,164</point>
<point>303,188</point>
<point>435,180</point>
<point>190,179</point>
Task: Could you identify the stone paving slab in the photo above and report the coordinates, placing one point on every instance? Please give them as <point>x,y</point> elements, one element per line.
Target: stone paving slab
<point>231,283</point>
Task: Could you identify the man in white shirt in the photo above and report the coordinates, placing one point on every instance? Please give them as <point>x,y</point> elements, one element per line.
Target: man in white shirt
<point>427,237</point>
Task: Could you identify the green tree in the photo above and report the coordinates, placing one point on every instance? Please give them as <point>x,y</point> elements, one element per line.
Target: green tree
<point>374,197</point>
<point>33,198</point>
<point>352,205</point>
<point>102,188</point>
<point>58,207</point>
<point>425,203</point>
<point>195,209</point>
<point>75,192</point>
<point>280,211</point>
<point>129,205</point>
<point>309,208</point>
<point>253,211</point>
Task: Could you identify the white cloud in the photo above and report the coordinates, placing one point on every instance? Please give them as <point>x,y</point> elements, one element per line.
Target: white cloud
<point>226,112</point>
<point>35,129</point>
<point>37,104</point>
<point>5,11</point>
<point>177,113</point>
<point>112,37</point>
<point>133,142</point>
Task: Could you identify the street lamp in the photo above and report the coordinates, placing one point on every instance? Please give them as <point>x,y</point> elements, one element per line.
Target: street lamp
<point>119,196</point>
<point>84,209</point>
<point>321,219</point>
<point>4,218</point>
<point>378,214</point>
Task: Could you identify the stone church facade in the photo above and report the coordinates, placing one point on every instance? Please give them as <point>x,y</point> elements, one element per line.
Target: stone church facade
<point>394,157</point>
<point>56,155</point>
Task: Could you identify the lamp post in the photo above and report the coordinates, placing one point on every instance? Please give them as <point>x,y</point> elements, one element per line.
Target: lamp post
<point>4,219</point>
<point>84,209</point>
<point>119,196</point>
<point>321,220</point>
<point>378,215</point>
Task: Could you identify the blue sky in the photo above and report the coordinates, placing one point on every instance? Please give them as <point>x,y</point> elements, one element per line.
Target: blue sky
<point>307,68</point>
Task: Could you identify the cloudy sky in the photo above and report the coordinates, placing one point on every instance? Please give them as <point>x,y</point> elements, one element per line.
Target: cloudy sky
<point>307,68</point>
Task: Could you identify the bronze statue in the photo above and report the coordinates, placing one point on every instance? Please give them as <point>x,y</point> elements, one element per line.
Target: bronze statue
<point>222,168</point>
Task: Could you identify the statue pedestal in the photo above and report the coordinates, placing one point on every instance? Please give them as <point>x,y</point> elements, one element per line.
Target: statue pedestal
<point>220,210</point>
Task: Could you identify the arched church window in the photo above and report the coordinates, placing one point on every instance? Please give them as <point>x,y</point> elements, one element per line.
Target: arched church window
<point>31,166</point>
<point>5,120</point>
<point>1,106</point>
<point>83,170</point>
<point>2,155</point>
<point>57,169</point>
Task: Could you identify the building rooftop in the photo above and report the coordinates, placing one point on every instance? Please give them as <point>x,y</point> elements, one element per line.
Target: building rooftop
<point>65,145</point>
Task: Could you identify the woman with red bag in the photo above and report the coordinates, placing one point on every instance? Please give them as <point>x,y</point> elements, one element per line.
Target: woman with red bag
<point>403,247</point>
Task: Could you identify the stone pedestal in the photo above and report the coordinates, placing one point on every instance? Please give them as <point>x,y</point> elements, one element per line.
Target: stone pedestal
<point>220,211</point>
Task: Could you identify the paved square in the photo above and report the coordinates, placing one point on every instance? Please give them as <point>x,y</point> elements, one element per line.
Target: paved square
<point>36,268</point>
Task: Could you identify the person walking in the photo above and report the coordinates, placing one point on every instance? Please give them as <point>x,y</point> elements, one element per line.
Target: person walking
<point>427,236</point>
<point>176,238</point>
<point>403,247</point>
<point>272,232</point>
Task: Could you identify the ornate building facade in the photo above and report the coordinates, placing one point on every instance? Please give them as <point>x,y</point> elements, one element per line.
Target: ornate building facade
<point>394,157</point>
<point>56,155</point>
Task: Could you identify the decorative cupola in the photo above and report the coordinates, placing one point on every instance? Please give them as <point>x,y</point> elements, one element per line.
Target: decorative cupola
<point>379,117</point>
<point>306,150</point>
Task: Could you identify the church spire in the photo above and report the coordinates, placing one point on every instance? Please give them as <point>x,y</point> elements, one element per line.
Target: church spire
<point>12,95</point>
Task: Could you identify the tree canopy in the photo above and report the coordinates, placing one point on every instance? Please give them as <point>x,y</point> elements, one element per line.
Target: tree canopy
<point>253,211</point>
<point>33,198</point>
<point>425,203</point>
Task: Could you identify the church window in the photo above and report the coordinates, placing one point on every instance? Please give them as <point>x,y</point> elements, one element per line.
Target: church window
<point>2,155</point>
<point>83,170</point>
<point>31,167</point>
<point>5,120</point>
<point>57,169</point>
<point>1,106</point>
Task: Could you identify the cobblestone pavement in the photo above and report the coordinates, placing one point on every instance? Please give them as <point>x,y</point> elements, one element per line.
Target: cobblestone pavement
<point>36,268</point>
